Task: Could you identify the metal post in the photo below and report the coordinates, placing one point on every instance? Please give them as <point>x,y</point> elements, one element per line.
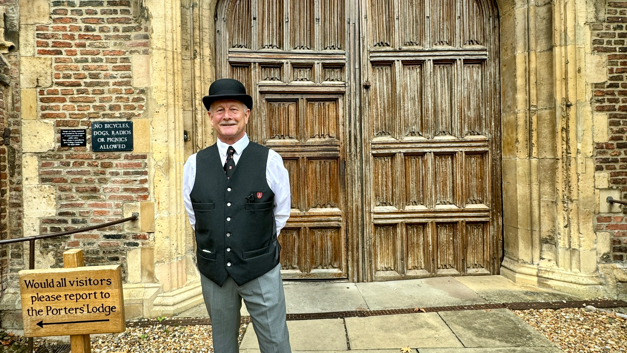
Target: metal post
<point>31,266</point>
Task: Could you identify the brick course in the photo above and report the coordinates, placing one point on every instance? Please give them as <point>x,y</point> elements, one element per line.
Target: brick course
<point>611,97</point>
<point>91,44</point>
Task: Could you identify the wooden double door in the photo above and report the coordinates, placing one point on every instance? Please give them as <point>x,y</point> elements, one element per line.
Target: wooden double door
<point>386,114</point>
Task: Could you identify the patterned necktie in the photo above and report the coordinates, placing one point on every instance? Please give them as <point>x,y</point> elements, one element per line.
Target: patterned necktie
<point>229,165</point>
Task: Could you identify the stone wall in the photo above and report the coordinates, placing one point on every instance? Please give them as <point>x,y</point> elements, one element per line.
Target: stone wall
<point>10,160</point>
<point>87,50</point>
<point>610,102</point>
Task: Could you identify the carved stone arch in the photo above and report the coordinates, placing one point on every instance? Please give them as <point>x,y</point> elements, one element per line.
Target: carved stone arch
<point>513,122</point>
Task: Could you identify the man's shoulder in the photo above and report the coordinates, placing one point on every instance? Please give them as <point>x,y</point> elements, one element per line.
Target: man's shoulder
<point>207,150</point>
<point>255,145</point>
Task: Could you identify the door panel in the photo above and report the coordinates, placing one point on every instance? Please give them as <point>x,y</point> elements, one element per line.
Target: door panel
<point>432,138</point>
<point>386,113</point>
<point>290,55</point>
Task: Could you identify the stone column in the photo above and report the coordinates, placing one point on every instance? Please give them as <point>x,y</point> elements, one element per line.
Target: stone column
<point>171,260</point>
<point>547,152</point>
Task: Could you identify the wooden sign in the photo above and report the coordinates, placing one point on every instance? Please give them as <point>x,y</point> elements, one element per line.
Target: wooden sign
<point>72,301</point>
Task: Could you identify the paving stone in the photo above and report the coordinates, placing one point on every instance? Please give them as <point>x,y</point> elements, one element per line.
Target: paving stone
<point>430,292</point>
<point>492,328</point>
<point>301,297</point>
<point>498,289</point>
<point>492,350</point>
<point>396,331</point>
<point>310,335</point>
<point>201,311</point>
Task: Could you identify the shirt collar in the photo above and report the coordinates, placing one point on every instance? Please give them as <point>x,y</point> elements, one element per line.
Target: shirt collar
<point>239,146</point>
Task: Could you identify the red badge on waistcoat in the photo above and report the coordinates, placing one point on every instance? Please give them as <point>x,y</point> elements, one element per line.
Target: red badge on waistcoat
<point>259,195</point>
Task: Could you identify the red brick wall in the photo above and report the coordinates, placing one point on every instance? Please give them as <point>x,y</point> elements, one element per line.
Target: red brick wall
<point>609,38</point>
<point>91,44</point>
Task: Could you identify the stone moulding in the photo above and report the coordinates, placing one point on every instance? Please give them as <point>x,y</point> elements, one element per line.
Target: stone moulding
<point>177,301</point>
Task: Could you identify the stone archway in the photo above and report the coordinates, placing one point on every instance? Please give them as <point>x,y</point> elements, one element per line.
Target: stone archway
<point>547,215</point>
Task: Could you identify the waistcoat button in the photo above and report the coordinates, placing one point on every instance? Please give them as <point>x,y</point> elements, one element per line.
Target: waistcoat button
<point>228,219</point>
<point>228,204</point>
<point>228,235</point>
<point>228,249</point>
<point>228,264</point>
<point>228,189</point>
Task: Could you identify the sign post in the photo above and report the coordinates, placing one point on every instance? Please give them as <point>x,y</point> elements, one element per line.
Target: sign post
<point>76,301</point>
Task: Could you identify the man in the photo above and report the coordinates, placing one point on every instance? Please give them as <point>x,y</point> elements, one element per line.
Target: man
<point>237,197</point>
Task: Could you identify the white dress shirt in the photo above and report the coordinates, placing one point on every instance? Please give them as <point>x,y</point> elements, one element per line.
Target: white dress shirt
<point>276,175</point>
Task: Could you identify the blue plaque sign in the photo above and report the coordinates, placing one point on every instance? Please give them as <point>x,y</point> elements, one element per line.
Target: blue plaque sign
<point>112,136</point>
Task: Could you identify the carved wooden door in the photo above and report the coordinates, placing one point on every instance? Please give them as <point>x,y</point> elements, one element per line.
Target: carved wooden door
<point>386,113</point>
<point>432,138</point>
<point>291,55</point>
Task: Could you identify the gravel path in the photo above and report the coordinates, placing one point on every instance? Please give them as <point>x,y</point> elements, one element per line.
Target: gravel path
<point>580,330</point>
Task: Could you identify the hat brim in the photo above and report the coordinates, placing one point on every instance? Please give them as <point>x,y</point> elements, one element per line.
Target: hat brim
<point>244,98</point>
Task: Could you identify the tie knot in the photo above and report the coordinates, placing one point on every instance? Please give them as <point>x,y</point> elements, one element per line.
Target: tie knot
<point>230,152</point>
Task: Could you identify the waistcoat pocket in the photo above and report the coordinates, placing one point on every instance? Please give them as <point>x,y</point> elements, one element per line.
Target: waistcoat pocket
<point>252,206</point>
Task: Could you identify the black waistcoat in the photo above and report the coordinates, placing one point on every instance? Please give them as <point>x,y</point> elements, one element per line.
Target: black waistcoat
<point>235,227</point>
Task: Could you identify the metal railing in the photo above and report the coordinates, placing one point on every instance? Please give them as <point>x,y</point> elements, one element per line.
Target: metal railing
<point>31,240</point>
<point>612,201</point>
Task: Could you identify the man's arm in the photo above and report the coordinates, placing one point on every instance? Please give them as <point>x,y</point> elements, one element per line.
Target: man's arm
<point>279,181</point>
<point>189,178</point>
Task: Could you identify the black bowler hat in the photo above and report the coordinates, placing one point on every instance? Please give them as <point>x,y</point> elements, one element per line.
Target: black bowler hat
<point>227,88</point>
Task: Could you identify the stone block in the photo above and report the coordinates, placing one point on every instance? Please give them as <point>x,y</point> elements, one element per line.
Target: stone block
<point>141,70</point>
<point>546,82</point>
<point>11,319</point>
<point>28,43</point>
<point>544,28</point>
<point>588,260</point>
<point>30,169</point>
<point>596,68</point>
<point>393,331</point>
<point>133,265</point>
<point>35,72</point>
<point>141,136</point>
<point>600,129</point>
<point>141,265</point>
<point>604,206</point>
<point>37,136</point>
<point>601,180</point>
<point>147,216</point>
<point>494,328</point>
<point>30,226</point>
<point>509,141</point>
<point>28,99</point>
<point>546,133</point>
<point>307,335</point>
<point>547,178</point>
<point>128,209</point>
<point>604,245</point>
<point>40,200</point>
<point>34,12</point>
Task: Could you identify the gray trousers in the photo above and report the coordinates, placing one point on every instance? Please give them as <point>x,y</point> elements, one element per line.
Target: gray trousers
<point>265,301</point>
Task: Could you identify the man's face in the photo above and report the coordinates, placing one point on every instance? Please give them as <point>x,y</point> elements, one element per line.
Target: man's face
<point>229,119</point>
